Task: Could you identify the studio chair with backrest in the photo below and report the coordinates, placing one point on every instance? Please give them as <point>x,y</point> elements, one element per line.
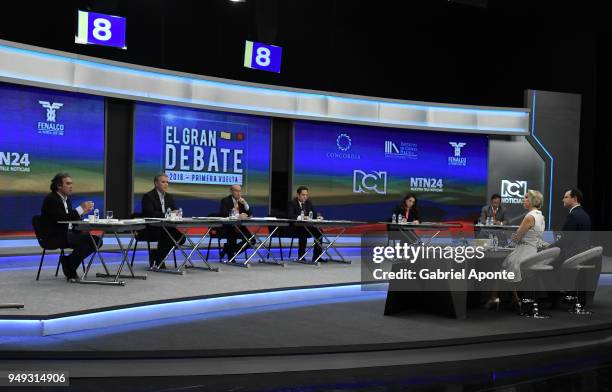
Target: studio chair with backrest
<point>580,265</point>
<point>532,269</point>
<point>144,236</point>
<point>280,233</point>
<point>44,244</point>
<point>217,233</point>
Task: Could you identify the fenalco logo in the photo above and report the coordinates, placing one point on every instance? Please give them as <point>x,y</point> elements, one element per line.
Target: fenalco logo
<point>457,159</point>
<point>403,151</point>
<point>421,184</point>
<point>512,192</point>
<point>51,126</point>
<point>373,182</point>
<point>343,147</point>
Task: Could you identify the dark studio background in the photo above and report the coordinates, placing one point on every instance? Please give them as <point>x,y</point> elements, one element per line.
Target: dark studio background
<point>465,52</point>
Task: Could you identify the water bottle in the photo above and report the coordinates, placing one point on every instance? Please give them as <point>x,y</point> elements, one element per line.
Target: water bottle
<point>495,242</point>
<point>301,217</point>
<point>310,215</point>
<point>168,213</point>
<point>96,215</point>
<point>180,213</point>
<point>393,218</point>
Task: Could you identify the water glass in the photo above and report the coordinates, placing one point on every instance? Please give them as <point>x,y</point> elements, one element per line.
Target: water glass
<point>109,215</point>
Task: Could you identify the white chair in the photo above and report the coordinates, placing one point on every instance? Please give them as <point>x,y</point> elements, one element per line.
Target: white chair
<point>535,265</point>
<point>581,262</point>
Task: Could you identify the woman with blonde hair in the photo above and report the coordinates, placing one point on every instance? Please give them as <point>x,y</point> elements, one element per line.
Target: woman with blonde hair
<point>527,238</point>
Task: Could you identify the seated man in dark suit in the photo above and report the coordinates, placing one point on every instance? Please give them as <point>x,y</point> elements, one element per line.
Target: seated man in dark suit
<point>234,204</point>
<point>301,204</point>
<point>494,210</point>
<point>155,203</point>
<point>57,207</point>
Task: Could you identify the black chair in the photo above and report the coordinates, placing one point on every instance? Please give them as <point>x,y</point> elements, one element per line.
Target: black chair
<point>281,232</point>
<point>217,233</point>
<point>143,236</point>
<point>584,269</point>
<point>42,241</point>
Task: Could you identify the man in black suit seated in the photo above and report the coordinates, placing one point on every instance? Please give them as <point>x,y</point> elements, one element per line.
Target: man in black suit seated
<point>234,204</point>
<point>57,207</point>
<point>575,236</point>
<point>155,203</point>
<point>300,204</point>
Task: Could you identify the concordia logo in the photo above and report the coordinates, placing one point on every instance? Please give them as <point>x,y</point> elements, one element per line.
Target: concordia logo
<point>344,144</point>
<point>51,127</point>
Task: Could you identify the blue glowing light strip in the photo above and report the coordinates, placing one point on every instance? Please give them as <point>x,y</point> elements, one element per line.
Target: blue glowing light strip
<point>156,312</point>
<point>552,160</point>
<point>270,92</point>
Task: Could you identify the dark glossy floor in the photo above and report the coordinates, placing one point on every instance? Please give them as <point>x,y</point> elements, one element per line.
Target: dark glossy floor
<point>570,370</point>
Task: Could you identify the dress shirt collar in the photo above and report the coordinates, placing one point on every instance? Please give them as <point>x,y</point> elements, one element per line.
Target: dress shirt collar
<point>572,209</point>
<point>64,198</point>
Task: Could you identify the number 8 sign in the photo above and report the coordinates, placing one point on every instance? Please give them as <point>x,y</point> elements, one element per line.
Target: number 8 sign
<point>262,56</point>
<point>101,29</point>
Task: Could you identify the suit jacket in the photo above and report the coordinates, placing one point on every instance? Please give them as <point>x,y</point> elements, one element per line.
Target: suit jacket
<point>401,210</point>
<point>488,211</point>
<point>294,210</point>
<point>151,205</point>
<point>227,204</point>
<point>52,211</point>
<point>575,236</point>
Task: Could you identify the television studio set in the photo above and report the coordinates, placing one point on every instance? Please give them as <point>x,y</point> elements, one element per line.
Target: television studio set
<point>323,195</point>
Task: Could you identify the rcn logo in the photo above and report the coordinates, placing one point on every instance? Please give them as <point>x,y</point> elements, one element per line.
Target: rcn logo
<point>457,159</point>
<point>512,192</point>
<point>51,127</point>
<point>373,182</point>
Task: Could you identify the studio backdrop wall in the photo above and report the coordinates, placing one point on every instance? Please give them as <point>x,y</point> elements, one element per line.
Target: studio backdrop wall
<point>203,153</point>
<point>362,173</point>
<point>43,132</point>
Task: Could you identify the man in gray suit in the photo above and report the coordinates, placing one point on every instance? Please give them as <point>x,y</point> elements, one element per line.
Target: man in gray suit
<point>494,210</point>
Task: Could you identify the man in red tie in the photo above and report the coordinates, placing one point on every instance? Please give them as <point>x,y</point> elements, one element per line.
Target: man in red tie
<point>494,210</point>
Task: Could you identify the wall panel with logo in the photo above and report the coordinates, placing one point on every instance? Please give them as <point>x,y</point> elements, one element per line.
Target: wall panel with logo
<point>514,167</point>
<point>362,173</point>
<point>43,132</point>
<point>203,152</point>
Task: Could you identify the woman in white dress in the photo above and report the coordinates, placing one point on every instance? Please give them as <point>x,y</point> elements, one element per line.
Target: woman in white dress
<point>527,238</point>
